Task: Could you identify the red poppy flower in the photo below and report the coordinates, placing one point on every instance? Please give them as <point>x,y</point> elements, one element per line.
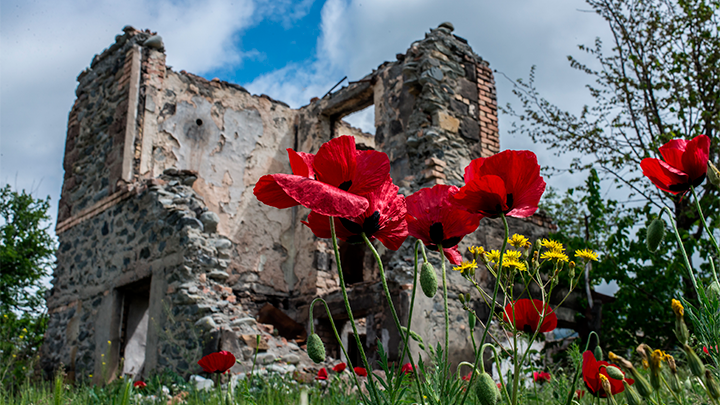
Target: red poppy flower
<point>685,164</point>
<point>384,219</point>
<point>361,371</point>
<point>139,385</point>
<point>705,349</point>
<point>541,377</point>
<point>467,377</point>
<point>330,183</point>
<point>527,316</point>
<point>322,374</point>
<point>219,362</point>
<point>434,219</point>
<point>592,369</point>
<point>407,368</point>
<point>506,183</point>
<point>580,393</point>
<point>340,367</point>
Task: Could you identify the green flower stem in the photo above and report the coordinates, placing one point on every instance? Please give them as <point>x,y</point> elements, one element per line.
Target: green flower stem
<point>390,303</point>
<point>571,394</point>
<point>478,356</point>
<point>337,336</point>
<point>702,218</point>
<point>682,249</point>
<point>351,318</point>
<point>446,369</point>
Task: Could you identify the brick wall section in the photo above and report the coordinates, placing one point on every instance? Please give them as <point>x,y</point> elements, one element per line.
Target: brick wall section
<point>97,128</point>
<point>487,106</point>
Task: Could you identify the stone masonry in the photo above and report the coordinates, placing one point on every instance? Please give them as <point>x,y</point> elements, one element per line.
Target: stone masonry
<point>166,255</point>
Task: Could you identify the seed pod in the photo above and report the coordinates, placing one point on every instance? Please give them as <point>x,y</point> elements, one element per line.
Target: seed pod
<point>631,395</point>
<point>696,365</point>
<point>428,280</point>
<point>486,390</point>
<point>711,385</point>
<point>642,385</point>
<point>615,373</point>
<point>655,234</point>
<point>316,348</point>
<point>713,291</point>
<point>599,354</point>
<point>713,174</point>
<point>471,320</point>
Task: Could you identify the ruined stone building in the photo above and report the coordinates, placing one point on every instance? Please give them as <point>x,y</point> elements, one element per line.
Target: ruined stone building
<point>165,254</point>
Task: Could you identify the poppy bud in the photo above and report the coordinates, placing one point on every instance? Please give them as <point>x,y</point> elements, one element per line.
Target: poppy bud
<point>711,385</point>
<point>471,320</point>
<point>599,354</point>
<point>642,385</point>
<point>428,280</point>
<point>631,395</point>
<point>713,174</point>
<point>696,365</point>
<point>316,348</point>
<point>655,234</point>
<point>713,291</point>
<point>486,390</point>
<point>615,373</point>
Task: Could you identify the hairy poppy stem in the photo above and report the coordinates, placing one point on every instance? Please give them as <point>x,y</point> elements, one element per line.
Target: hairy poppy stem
<point>390,303</point>
<point>478,356</point>
<point>337,336</point>
<point>682,249</point>
<point>446,369</point>
<point>351,318</point>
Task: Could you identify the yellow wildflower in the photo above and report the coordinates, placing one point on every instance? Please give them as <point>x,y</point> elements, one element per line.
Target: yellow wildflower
<point>512,255</point>
<point>586,254</point>
<point>493,256</point>
<point>21,336</point>
<point>477,250</point>
<point>466,266</point>
<point>558,256</point>
<point>90,375</point>
<point>677,308</point>
<point>515,263</point>
<point>552,245</point>
<point>518,241</point>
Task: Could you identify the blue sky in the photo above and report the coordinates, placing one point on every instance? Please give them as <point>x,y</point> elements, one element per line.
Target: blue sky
<point>290,50</point>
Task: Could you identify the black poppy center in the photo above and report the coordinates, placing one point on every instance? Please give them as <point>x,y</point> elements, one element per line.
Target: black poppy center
<point>369,226</point>
<point>345,186</point>
<point>436,233</point>
<point>527,329</point>
<point>508,203</point>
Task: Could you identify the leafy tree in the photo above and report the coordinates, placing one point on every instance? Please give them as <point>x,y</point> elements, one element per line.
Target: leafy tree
<point>26,250</point>
<point>659,80</point>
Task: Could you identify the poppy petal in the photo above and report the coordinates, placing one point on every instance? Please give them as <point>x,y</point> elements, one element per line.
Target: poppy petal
<point>267,191</point>
<point>453,255</point>
<point>590,372</point>
<point>665,176</point>
<point>526,202</point>
<point>334,163</point>
<point>372,171</point>
<point>301,163</point>
<point>320,197</point>
<point>486,195</point>
<point>696,156</point>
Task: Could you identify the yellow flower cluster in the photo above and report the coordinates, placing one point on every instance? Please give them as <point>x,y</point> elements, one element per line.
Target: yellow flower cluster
<point>678,308</point>
<point>552,245</point>
<point>466,266</point>
<point>477,250</point>
<point>586,254</point>
<point>519,241</point>
<point>558,256</point>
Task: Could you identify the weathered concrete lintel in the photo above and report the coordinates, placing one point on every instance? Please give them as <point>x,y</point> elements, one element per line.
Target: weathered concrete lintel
<point>349,99</point>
